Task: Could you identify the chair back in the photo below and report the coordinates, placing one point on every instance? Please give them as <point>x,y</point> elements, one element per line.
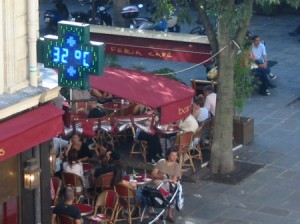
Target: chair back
<point>64,219</point>
<point>108,199</point>
<point>56,183</point>
<point>75,181</point>
<point>184,141</point>
<point>198,133</point>
<point>125,191</point>
<point>104,181</point>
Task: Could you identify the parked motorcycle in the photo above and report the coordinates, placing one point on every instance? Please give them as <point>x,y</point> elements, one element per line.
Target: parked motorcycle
<point>53,16</point>
<point>199,30</point>
<point>102,17</point>
<point>131,13</point>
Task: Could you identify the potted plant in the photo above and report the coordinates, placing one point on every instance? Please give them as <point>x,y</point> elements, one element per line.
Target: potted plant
<point>243,127</point>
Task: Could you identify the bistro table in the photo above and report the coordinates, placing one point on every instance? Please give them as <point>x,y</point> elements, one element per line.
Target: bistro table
<point>166,131</point>
<point>84,209</point>
<point>139,179</point>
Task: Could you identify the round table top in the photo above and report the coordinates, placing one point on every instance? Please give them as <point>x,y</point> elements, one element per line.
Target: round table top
<point>139,179</point>
<point>84,209</point>
<point>168,129</point>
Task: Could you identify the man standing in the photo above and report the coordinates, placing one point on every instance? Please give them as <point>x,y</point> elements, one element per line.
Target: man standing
<point>67,208</point>
<point>210,99</point>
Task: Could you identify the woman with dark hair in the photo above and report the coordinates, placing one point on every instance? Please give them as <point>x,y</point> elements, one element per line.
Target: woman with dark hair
<point>167,168</point>
<point>82,149</point>
<point>73,165</point>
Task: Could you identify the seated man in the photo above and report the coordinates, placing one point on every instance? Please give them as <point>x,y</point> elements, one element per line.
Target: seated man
<point>67,208</point>
<point>188,124</point>
<point>210,99</point>
<point>260,57</point>
<point>200,112</point>
<point>167,169</point>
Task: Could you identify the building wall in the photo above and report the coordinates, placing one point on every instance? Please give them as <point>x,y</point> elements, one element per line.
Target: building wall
<point>14,58</point>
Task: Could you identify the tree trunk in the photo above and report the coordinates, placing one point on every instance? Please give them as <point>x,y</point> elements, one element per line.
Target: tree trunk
<point>117,8</point>
<point>221,161</point>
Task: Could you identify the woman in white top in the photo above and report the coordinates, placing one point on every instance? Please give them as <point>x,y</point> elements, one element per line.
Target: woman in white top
<point>73,165</point>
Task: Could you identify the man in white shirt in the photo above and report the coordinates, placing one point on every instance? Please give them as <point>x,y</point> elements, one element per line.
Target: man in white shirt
<point>188,124</point>
<point>260,54</point>
<point>211,99</point>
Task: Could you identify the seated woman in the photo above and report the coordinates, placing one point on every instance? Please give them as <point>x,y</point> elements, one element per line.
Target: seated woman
<point>118,179</point>
<point>104,149</point>
<point>167,169</point>
<point>102,97</point>
<point>84,153</point>
<point>72,165</point>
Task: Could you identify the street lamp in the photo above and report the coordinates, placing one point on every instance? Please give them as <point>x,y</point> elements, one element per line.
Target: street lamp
<point>52,159</point>
<point>31,174</point>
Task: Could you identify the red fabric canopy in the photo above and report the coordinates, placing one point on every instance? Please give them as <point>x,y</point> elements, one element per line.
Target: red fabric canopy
<point>29,129</point>
<point>172,97</point>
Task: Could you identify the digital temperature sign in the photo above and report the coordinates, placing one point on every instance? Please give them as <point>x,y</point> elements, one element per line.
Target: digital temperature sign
<point>73,54</point>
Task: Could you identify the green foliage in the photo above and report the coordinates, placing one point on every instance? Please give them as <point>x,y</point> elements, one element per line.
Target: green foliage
<point>166,72</point>
<point>243,80</point>
<point>111,61</point>
<point>165,8</point>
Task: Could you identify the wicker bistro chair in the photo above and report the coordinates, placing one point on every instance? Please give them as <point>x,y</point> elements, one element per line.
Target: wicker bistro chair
<point>64,219</point>
<point>57,184</point>
<point>139,146</point>
<point>108,201</point>
<point>127,203</point>
<point>75,181</point>
<point>196,152</point>
<point>183,143</point>
<point>102,183</point>
<point>207,133</point>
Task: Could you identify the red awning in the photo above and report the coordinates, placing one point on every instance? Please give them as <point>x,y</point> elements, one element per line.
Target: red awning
<point>172,97</point>
<point>29,129</point>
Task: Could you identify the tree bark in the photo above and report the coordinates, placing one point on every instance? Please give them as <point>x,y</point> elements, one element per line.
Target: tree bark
<point>221,160</point>
<point>118,20</point>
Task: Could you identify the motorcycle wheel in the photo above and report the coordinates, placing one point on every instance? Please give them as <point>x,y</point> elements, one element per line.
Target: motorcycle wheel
<point>198,30</point>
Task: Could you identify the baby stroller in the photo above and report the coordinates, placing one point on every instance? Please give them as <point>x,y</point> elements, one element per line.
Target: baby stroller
<point>161,199</point>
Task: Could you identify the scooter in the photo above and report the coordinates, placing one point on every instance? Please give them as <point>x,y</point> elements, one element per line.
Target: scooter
<point>53,16</point>
<point>102,17</point>
<point>131,13</point>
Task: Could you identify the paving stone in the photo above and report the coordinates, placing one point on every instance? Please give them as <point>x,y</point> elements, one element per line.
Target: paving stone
<point>236,213</point>
<point>290,124</point>
<point>287,161</point>
<point>237,221</point>
<point>266,157</point>
<point>274,211</point>
<point>261,217</point>
<point>288,174</point>
<point>218,220</point>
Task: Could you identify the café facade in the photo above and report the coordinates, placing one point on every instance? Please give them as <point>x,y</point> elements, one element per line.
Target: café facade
<point>29,119</point>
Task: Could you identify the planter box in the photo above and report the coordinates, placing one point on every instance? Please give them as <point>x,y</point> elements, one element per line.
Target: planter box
<point>243,130</point>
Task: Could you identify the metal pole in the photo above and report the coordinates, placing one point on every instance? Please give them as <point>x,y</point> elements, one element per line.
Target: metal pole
<point>32,10</point>
<point>37,191</point>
